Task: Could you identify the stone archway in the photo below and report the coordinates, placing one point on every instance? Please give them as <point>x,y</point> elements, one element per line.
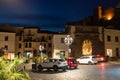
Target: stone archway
<point>87,47</point>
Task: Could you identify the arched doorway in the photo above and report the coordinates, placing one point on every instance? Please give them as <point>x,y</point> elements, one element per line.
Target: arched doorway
<point>87,47</point>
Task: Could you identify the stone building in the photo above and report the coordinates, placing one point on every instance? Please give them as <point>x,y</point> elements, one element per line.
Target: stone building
<point>26,40</point>
<point>88,40</point>
<point>7,41</point>
<point>60,49</point>
<point>112,42</point>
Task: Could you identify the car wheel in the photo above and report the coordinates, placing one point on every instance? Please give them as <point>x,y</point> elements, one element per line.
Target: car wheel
<point>55,68</point>
<point>40,68</point>
<point>64,69</point>
<point>89,62</point>
<point>68,67</point>
<point>75,67</point>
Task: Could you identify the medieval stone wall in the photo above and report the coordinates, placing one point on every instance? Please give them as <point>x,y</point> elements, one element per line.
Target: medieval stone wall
<point>87,42</point>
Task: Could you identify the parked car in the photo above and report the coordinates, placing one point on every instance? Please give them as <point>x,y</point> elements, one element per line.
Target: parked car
<point>87,60</point>
<point>51,63</point>
<point>100,58</point>
<point>72,63</point>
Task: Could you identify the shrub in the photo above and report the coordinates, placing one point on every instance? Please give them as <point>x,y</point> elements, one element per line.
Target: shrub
<point>9,71</point>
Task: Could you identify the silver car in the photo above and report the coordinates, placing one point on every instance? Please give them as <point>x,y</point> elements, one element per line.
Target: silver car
<point>53,63</point>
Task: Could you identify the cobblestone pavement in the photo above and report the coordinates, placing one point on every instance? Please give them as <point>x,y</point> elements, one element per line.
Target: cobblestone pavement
<point>115,62</point>
<point>106,71</point>
<point>28,66</point>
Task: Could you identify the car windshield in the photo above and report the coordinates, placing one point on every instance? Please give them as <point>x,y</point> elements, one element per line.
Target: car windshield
<point>62,60</point>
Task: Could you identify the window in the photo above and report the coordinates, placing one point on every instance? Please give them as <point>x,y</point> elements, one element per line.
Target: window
<point>62,54</point>
<point>20,38</point>
<point>117,52</point>
<point>6,38</point>
<point>108,38</point>
<point>20,45</point>
<point>44,45</point>
<point>116,39</point>
<point>49,37</point>
<point>26,45</point>
<point>43,38</point>
<point>30,45</point>
<point>62,40</point>
<point>6,47</point>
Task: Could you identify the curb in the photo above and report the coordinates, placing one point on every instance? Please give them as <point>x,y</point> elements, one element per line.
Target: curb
<point>115,62</point>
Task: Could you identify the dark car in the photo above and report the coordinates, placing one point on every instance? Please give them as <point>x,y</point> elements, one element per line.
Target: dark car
<point>72,63</point>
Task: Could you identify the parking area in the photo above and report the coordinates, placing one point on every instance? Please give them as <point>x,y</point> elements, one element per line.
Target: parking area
<point>100,71</point>
<point>28,66</point>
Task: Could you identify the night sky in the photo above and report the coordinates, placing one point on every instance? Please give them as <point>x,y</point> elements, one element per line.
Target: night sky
<point>48,14</point>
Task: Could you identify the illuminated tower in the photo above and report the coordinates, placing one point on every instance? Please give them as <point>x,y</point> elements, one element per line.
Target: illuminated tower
<point>99,12</point>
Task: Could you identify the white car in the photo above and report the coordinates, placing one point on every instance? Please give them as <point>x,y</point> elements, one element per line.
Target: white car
<point>53,63</point>
<point>87,60</point>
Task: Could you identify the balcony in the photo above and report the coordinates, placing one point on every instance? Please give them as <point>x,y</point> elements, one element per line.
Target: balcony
<point>30,34</point>
<point>34,40</point>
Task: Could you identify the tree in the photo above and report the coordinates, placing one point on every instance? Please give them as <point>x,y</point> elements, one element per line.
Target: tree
<point>9,70</point>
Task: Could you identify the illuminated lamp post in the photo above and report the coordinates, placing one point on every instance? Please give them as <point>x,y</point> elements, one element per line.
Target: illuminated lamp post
<point>68,41</point>
<point>41,48</point>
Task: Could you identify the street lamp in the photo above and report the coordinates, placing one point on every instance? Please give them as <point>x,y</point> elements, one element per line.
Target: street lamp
<point>41,48</point>
<point>68,41</point>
